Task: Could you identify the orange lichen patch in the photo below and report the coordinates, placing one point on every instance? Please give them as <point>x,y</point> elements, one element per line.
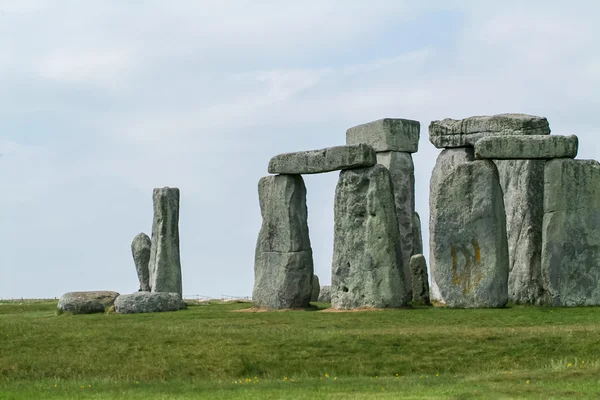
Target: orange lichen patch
<point>467,276</point>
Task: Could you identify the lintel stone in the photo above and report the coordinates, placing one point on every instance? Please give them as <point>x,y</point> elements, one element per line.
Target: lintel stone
<point>387,134</point>
<point>533,147</point>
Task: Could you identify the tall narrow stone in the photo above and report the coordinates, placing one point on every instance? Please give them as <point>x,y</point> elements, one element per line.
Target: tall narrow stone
<point>140,249</point>
<point>316,289</point>
<point>420,280</point>
<point>367,262</point>
<point>417,234</point>
<point>571,232</point>
<point>283,266</point>
<point>165,264</point>
<point>468,237</point>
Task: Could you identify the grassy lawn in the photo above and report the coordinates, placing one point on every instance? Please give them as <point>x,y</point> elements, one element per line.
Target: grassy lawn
<point>212,351</point>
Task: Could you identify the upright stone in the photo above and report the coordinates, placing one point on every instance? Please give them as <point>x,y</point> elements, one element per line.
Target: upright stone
<point>571,232</point>
<point>388,134</point>
<point>367,262</point>
<point>165,264</point>
<point>468,237</point>
<point>325,294</point>
<point>140,248</point>
<point>420,280</point>
<point>316,289</point>
<point>417,234</point>
<point>446,160</point>
<point>283,266</point>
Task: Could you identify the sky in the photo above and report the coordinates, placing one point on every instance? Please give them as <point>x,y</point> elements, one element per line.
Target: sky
<point>100,102</point>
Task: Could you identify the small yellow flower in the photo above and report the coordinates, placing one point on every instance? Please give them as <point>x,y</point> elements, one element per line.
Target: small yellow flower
<point>320,379</point>
<point>437,374</point>
<point>570,365</point>
<point>421,377</point>
<point>528,382</point>
<point>396,374</point>
<point>327,376</point>
<point>382,389</point>
<point>80,387</point>
<point>55,385</point>
<point>90,386</point>
<point>285,378</point>
<point>335,378</point>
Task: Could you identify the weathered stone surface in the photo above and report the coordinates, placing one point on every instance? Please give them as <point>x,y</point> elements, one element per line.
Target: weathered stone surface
<point>522,183</point>
<point>140,249</point>
<point>283,268</point>
<point>316,289</point>
<point>86,302</point>
<point>367,263</point>
<point>323,160</point>
<point>388,134</point>
<point>420,280</point>
<point>402,172</point>
<point>466,132</point>
<point>417,234</point>
<point>446,160</point>
<point>571,232</point>
<point>468,237</point>
<point>147,302</point>
<point>165,264</point>
<point>540,147</point>
<point>325,294</point>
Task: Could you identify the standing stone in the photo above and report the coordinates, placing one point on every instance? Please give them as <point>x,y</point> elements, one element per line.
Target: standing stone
<point>387,134</point>
<point>420,280</point>
<point>468,237</point>
<point>325,294</point>
<point>367,262</point>
<point>446,160</point>
<point>140,248</point>
<point>283,267</point>
<point>522,183</point>
<point>316,289</point>
<point>571,232</point>
<point>165,264</point>
<point>417,234</point>
<point>402,172</point>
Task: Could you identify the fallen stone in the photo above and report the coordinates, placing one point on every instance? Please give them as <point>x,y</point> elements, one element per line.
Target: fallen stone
<point>420,280</point>
<point>537,147</point>
<point>148,302</point>
<point>402,172</point>
<point>417,234</point>
<point>466,132</point>
<point>283,267</point>
<point>325,294</point>
<point>165,264</point>
<point>316,289</point>
<point>86,302</point>
<point>468,237</point>
<point>324,160</point>
<point>388,134</point>
<point>522,183</point>
<point>367,263</point>
<point>140,248</point>
<point>571,232</point>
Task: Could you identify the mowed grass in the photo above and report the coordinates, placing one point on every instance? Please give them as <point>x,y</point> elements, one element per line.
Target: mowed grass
<point>213,351</point>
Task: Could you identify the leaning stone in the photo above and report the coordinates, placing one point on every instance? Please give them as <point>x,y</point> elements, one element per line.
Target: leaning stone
<point>402,172</point>
<point>86,302</point>
<point>468,237</point>
<point>140,248</point>
<point>522,183</point>
<point>446,160</point>
<point>367,263</point>
<point>165,264</point>
<point>324,160</point>
<point>316,289</point>
<point>325,294</point>
<point>537,147</point>
<point>420,280</point>
<point>417,234</point>
<point>571,232</point>
<point>148,302</point>
<point>466,132</point>
<point>388,134</point>
<point>283,266</point>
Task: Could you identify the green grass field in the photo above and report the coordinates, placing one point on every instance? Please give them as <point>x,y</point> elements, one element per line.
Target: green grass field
<point>213,351</point>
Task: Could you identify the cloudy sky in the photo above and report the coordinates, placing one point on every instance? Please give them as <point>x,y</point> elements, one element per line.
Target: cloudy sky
<point>102,101</point>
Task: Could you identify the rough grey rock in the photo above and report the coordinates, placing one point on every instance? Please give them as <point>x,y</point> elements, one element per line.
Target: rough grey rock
<point>535,147</point>
<point>316,289</point>
<point>323,160</point>
<point>420,280</point>
<point>140,249</point>
<point>468,237</point>
<point>165,264</point>
<point>86,302</point>
<point>446,160</point>
<point>283,267</point>
<point>147,302</point>
<point>388,134</point>
<point>466,132</point>
<point>402,172</point>
<point>522,183</point>
<point>571,232</point>
<point>325,294</point>
<point>417,234</point>
<point>367,263</point>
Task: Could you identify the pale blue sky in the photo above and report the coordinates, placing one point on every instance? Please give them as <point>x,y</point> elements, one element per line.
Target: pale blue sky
<point>102,101</point>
